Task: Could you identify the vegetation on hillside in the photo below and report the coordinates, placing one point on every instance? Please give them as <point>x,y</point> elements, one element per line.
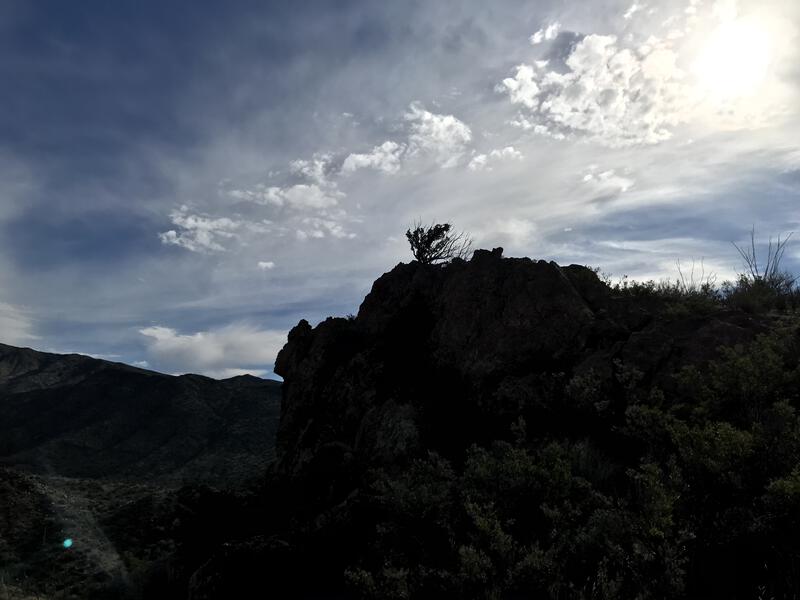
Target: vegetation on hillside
<point>762,285</point>
<point>645,446</point>
<point>677,479</point>
<point>696,493</point>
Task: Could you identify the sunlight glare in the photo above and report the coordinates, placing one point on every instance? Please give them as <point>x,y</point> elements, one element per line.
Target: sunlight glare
<point>735,60</point>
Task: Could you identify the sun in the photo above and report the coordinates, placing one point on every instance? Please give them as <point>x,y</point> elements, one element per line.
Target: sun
<point>735,60</point>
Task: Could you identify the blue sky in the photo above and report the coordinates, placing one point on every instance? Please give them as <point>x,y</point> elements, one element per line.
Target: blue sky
<point>181,182</point>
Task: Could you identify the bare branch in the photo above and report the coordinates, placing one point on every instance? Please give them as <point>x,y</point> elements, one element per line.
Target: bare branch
<point>435,243</point>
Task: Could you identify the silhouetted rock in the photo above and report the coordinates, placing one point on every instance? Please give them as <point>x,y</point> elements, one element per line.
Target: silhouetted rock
<point>434,353</point>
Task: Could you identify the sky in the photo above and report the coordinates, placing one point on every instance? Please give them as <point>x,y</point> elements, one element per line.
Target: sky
<point>182,182</point>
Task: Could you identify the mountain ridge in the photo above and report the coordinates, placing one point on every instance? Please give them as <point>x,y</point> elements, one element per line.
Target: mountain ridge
<point>78,416</point>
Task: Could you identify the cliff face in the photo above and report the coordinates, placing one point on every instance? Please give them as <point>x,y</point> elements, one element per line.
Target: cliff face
<point>439,357</point>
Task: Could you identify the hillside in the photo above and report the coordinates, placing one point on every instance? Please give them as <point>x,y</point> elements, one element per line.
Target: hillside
<point>510,428</point>
<point>97,452</point>
<point>76,416</point>
<point>491,428</point>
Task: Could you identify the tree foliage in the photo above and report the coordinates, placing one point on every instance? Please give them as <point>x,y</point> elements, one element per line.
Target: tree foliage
<point>437,243</point>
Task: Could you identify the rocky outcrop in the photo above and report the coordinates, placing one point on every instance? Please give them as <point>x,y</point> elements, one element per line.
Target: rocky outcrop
<point>497,380</point>
<point>439,357</point>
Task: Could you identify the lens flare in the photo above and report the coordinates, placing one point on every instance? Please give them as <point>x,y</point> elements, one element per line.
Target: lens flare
<point>67,543</point>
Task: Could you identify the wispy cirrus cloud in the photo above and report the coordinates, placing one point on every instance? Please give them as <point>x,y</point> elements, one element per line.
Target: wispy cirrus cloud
<point>16,326</point>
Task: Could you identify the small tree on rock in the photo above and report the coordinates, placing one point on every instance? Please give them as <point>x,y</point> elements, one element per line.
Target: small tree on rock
<point>437,243</point>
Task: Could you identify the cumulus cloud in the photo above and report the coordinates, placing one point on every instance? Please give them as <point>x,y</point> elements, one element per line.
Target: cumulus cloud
<point>199,233</point>
<point>315,227</point>
<point>16,327</point>
<point>301,196</point>
<point>523,87</point>
<point>313,191</point>
<point>444,137</point>
<point>260,194</point>
<point>225,352</point>
<point>615,95</point>
<point>386,157</point>
<point>310,208</point>
<point>316,189</point>
<point>480,162</point>
<point>546,33</point>
<point>317,169</point>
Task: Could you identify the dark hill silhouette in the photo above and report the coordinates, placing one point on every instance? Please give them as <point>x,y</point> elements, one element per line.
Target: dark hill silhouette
<point>96,451</point>
<point>510,428</point>
<point>491,428</point>
<point>76,416</point>
<point>442,357</point>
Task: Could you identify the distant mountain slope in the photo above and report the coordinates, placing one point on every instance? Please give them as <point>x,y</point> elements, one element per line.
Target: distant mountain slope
<point>76,416</point>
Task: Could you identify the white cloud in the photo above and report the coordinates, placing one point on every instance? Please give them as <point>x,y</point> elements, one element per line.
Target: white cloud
<point>316,170</point>
<point>484,161</point>
<point>789,161</point>
<point>16,327</point>
<point>301,196</point>
<point>442,136</point>
<point>478,162</point>
<point>546,33</point>
<point>233,350</point>
<point>316,191</point>
<point>260,194</point>
<point>517,231</point>
<point>386,157</point>
<point>315,227</point>
<point>607,181</point>
<point>199,233</point>
<point>522,88</point>
<point>725,10</point>
<point>617,96</point>
<point>266,265</point>
<point>632,10</point>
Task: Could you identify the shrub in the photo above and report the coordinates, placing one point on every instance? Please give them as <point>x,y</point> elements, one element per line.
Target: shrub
<point>762,286</point>
<point>437,243</point>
